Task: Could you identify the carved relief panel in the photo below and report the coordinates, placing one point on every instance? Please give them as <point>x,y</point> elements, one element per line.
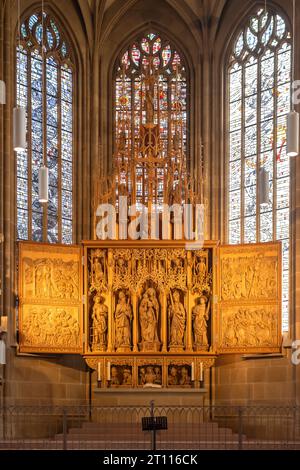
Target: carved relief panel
<point>50,294</point>
<point>250,298</point>
<point>153,299</point>
<point>148,299</point>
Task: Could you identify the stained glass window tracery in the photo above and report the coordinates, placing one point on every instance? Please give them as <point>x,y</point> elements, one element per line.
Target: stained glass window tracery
<point>44,86</point>
<point>259,99</point>
<point>150,52</point>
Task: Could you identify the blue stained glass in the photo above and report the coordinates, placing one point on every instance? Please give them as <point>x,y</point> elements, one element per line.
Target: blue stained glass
<point>29,73</point>
<point>33,21</point>
<point>284,67</point>
<point>22,69</point>
<point>22,224</point>
<point>250,200</point>
<point>22,95</point>
<point>53,177</point>
<point>51,76</point>
<point>37,159</point>
<point>23,30</point>
<point>267,135</point>
<point>37,105</point>
<point>22,193</point>
<point>67,231</point>
<point>250,229</point>
<point>39,34</point>
<point>52,233</point>
<point>50,38</point>
<point>22,165</point>
<point>56,31</point>
<point>66,145</point>
<point>67,204</point>
<point>51,111</point>
<point>66,85</point>
<point>250,79</point>
<point>66,179</point>
<point>66,116</point>
<point>268,33</point>
<point>36,136</point>
<point>267,103</point>
<point>37,226</point>
<point>64,49</point>
<point>53,200</point>
<point>266,73</point>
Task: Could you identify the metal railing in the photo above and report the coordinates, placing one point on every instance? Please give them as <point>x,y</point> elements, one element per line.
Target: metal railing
<point>115,428</point>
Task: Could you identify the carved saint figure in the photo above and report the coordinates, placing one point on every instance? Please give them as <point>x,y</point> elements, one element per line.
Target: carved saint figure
<point>185,378</point>
<point>149,311</point>
<point>200,267</point>
<point>200,315</point>
<point>98,271</point>
<point>149,105</point>
<point>158,377</point>
<point>142,373</point>
<point>123,317</point>
<point>177,316</point>
<point>176,141</point>
<point>121,267</point>
<point>114,376</point>
<point>172,377</point>
<point>99,318</point>
<point>127,376</point>
<point>122,141</point>
<point>150,375</point>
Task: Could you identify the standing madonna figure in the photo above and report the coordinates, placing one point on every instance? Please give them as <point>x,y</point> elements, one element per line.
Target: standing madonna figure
<point>177,318</point>
<point>148,317</point>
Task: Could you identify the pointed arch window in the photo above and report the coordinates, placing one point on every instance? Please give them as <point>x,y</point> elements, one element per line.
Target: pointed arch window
<point>44,86</point>
<point>258,77</point>
<point>151,56</point>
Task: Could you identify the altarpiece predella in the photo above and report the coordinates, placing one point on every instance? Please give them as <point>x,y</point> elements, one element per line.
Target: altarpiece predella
<point>149,312</point>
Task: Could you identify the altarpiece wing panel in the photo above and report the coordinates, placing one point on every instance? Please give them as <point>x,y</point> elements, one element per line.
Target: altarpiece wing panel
<point>50,298</point>
<point>250,298</point>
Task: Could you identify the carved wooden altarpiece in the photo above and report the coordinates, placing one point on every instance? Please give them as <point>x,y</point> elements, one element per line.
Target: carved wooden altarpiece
<point>152,310</point>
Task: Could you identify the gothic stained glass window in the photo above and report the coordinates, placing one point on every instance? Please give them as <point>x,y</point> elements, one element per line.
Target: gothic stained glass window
<point>259,99</point>
<point>44,86</point>
<point>151,51</point>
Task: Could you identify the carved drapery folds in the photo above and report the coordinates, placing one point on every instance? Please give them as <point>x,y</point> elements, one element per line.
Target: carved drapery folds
<point>150,293</point>
<point>250,293</point>
<point>151,299</point>
<point>50,295</point>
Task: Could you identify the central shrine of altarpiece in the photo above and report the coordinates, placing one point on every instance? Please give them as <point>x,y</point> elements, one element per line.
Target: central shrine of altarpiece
<point>149,313</point>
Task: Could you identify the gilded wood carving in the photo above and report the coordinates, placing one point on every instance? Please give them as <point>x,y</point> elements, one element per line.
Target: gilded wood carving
<point>148,299</point>
<point>153,310</point>
<point>250,298</point>
<point>50,295</point>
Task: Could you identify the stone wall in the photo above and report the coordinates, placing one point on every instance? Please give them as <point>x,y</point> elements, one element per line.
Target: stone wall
<point>254,381</point>
<point>45,381</point>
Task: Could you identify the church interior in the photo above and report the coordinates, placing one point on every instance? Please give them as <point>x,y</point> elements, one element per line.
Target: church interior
<point>149,223</point>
